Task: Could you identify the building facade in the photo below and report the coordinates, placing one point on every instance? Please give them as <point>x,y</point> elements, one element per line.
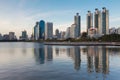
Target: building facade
<point>1,37</point>
<point>24,35</point>
<point>57,33</point>
<point>89,20</point>
<point>41,29</point>
<point>36,31</point>
<point>67,34</point>
<point>77,21</point>
<point>97,21</point>
<point>12,36</point>
<point>105,21</point>
<point>49,30</point>
<point>118,30</point>
<point>73,31</point>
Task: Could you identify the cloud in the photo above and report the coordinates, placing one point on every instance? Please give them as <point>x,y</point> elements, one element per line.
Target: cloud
<point>16,17</point>
<point>41,14</point>
<point>115,19</point>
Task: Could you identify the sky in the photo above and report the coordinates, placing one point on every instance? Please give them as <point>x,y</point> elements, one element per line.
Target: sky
<point>19,15</point>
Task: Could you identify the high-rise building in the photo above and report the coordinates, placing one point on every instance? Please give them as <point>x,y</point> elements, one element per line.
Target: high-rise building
<point>77,21</point>
<point>32,37</point>
<point>118,30</point>
<point>49,30</point>
<point>97,21</point>
<point>41,29</point>
<point>105,21</point>
<point>24,35</point>
<point>73,31</point>
<point>67,35</point>
<point>12,36</point>
<point>89,20</point>
<point>5,37</point>
<point>62,35</point>
<point>36,31</point>
<point>0,36</point>
<point>57,34</point>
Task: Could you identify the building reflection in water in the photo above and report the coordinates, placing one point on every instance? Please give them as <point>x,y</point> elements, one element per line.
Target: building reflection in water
<point>98,59</point>
<point>43,53</point>
<point>68,52</point>
<point>39,55</point>
<point>48,53</point>
<point>57,51</point>
<point>76,56</point>
<point>105,60</point>
<point>90,64</point>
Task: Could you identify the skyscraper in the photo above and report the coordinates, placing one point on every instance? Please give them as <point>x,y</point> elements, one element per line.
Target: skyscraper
<point>36,31</point>
<point>12,36</point>
<point>89,20</point>
<point>105,21</point>
<point>97,21</point>
<point>73,31</point>
<point>24,35</point>
<point>57,34</point>
<point>77,21</point>
<point>41,29</point>
<point>0,36</point>
<point>49,30</point>
<point>67,35</point>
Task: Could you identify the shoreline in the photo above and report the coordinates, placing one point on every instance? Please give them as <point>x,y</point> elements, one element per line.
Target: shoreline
<point>83,43</point>
<point>73,43</point>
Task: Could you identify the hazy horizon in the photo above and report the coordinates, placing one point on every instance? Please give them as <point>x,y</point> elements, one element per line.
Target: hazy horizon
<point>19,15</point>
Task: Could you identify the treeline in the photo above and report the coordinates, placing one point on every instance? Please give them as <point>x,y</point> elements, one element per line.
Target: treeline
<point>85,38</point>
<point>110,38</point>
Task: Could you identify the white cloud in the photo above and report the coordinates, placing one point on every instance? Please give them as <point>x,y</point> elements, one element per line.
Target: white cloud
<point>117,19</point>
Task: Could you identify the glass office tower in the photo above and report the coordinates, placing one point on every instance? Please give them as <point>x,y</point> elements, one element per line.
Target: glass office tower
<point>41,29</point>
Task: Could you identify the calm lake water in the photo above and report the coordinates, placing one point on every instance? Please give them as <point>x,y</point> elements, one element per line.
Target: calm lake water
<point>35,61</point>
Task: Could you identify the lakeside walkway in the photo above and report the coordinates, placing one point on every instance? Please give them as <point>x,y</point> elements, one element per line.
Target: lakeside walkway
<point>84,43</point>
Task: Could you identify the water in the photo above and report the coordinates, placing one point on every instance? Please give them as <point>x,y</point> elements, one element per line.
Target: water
<point>35,61</point>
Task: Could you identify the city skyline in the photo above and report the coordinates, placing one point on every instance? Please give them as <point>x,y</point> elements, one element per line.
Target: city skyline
<point>19,15</point>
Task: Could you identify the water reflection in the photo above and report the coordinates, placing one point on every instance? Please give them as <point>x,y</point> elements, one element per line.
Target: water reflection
<point>97,57</point>
<point>75,54</point>
<point>57,51</point>
<point>94,58</point>
<point>43,53</point>
<point>48,53</point>
<point>59,62</point>
<point>39,55</point>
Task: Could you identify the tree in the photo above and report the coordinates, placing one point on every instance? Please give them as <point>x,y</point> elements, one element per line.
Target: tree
<point>84,35</point>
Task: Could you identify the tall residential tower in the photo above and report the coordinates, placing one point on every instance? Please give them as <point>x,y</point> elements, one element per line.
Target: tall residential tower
<point>36,31</point>
<point>49,30</point>
<point>97,21</point>
<point>89,20</point>
<point>105,21</point>
<point>77,22</point>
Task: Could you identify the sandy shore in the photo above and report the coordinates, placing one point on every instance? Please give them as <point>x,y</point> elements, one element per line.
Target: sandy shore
<point>84,43</point>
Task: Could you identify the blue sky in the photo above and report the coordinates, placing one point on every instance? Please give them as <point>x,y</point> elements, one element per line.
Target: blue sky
<point>18,15</point>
